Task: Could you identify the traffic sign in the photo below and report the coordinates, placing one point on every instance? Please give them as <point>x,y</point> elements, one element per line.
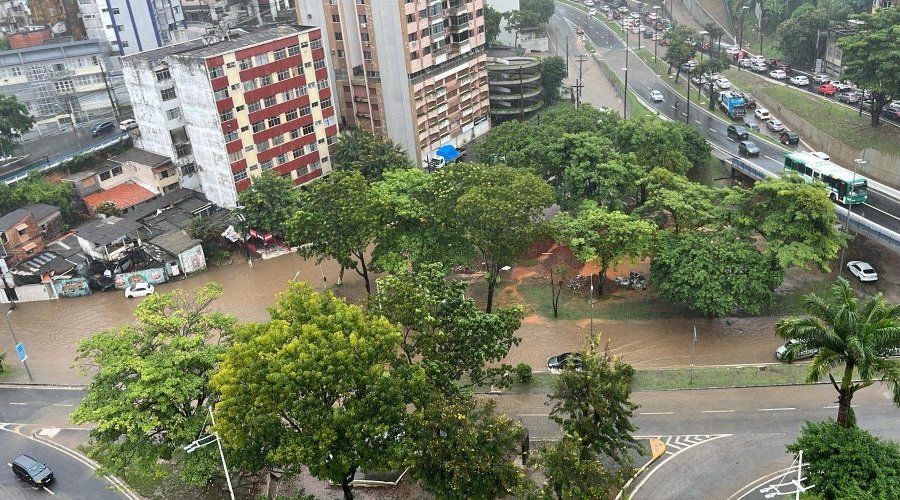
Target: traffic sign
<point>20,350</point>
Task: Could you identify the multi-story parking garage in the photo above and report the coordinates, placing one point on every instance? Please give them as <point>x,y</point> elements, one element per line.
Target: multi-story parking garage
<point>515,87</point>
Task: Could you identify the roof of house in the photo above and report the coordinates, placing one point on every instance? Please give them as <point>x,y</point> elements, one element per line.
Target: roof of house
<point>141,156</point>
<point>106,231</point>
<point>175,242</point>
<point>39,210</point>
<point>184,198</point>
<point>125,195</point>
<point>237,39</point>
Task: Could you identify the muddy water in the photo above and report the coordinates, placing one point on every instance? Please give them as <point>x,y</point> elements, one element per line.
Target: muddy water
<point>51,330</point>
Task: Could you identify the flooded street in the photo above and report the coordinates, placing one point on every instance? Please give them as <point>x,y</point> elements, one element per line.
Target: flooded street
<point>50,330</point>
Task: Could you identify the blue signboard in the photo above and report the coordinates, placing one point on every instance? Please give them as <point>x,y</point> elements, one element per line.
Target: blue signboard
<point>20,350</point>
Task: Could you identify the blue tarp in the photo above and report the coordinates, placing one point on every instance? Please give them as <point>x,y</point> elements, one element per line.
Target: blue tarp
<point>448,153</point>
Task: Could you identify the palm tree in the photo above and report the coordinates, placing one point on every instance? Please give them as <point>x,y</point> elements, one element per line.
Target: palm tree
<point>847,333</point>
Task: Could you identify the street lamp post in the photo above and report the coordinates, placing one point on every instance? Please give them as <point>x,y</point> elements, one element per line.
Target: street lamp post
<point>640,34</point>
<point>16,340</point>
<point>860,162</point>
<point>744,10</point>
<point>687,116</point>
<point>625,99</point>
<point>657,8</point>
<point>209,439</point>
<point>702,38</point>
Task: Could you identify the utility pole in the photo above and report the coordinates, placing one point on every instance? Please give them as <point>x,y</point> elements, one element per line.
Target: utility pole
<point>109,93</point>
<point>580,84</point>
<point>693,344</point>
<point>567,55</point>
<point>521,95</point>
<point>209,439</point>
<point>16,340</point>
<point>687,115</point>
<point>860,162</point>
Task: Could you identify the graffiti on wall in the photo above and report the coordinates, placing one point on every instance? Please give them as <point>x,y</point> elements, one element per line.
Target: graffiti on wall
<point>153,276</point>
<point>192,260</point>
<point>72,287</point>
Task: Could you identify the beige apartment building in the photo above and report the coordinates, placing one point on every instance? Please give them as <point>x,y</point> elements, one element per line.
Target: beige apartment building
<point>413,70</point>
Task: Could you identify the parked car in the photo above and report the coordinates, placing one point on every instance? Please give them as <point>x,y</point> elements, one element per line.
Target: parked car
<point>738,132</point>
<point>862,270</point>
<point>778,74</point>
<point>850,97</point>
<point>128,124</point>
<point>805,353</point>
<point>826,89</point>
<point>556,364</point>
<point>759,67</point>
<point>723,83</point>
<point>656,96</point>
<point>800,81</point>
<point>789,138</point>
<point>820,78</point>
<point>762,114</point>
<point>775,125</point>
<point>102,128</point>
<point>139,290</point>
<point>748,148</point>
<point>31,471</point>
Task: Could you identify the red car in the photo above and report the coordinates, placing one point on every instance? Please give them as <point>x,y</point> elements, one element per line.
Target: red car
<point>826,89</point>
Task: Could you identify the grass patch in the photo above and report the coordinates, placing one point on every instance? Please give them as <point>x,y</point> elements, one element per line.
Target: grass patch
<point>634,105</point>
<point>837,121</point>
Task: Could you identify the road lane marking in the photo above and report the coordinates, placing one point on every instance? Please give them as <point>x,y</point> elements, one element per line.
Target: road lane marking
<point>712,130</point>
<point>534,414</point>
<point>48,491</point>
<point>835,407</point>
<point>63,404</point>
<point>717,411</point>
<point>653,470</point>
<point>698,122</point>
<point>657,413</point>
<point>20,404</point>
<point>776,409</point>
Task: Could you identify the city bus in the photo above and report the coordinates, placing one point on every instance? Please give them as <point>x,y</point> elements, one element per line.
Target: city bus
<point>844,186</point>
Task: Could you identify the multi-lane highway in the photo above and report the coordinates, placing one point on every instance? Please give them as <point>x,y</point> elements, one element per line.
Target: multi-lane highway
<point>883,207</point>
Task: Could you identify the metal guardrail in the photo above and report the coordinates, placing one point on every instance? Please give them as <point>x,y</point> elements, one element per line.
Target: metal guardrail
<point>22,174</point>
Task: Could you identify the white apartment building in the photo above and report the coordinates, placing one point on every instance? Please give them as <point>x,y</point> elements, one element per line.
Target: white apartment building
<point>131,26</point>
<point>412,70</point>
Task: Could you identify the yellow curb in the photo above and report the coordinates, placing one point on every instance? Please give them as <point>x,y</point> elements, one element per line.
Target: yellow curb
<point>657,448</point>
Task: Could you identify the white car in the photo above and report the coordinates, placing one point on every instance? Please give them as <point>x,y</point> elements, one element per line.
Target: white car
<point>723,83</point>
<point>745,63</point>
<point>778,74</point>
<point>139,290</point>
<point>656,96</point>
<point>759,67</point>
<point>800,81</point>
<point>128,124</point>
<point>762,114</point>
<point>592,12</point>
<point>862,270</point>
<point>820,78</point>
<point>775,125</point>
<point>806,353</point>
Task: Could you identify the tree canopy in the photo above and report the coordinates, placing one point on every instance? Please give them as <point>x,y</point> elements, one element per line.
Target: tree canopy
<point>553,72</point>
<point>371,155</point>
<point>269,202</point>
<point>681,47</point>
<point>871,56</point>
<point>15,120</point>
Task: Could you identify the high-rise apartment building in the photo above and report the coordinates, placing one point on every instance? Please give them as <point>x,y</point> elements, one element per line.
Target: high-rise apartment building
<point>130,26</point>
<point>413,70</point>
<point>227,109</point>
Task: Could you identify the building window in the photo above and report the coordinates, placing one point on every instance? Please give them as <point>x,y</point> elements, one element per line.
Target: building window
<point>278,139</point>
<point>297,153</point>
<point>265,80</point>
<point>338,36</point>
<point>266,165</point>
<point>163,74</point>
<point>270,101</point>
<point>250,85</point>
<point>309,148</point>
<point>410,18</point>
<point>319,63</point>
<point>301,91</point>
<point>290,115</point>
<point>363,19</point>
<point>316,44</point>
<point>322,84</point>
<point>115,11</point>
<point>413,37</point>
<point>254,106</point>
<point>221,94</point>
<point>64,86</point>
<point>367,55</point>
<point>236,156</point>
<point>335,18</point>
<point>240,175</point>
<point>293,50</point>
<point>364,37</point>
<point>308,129</point>
<point>280,54</point>
<point>284,75</point>
<point>173,113</point>
<point>329,121</point>
<point>295,133</point>
<point>281,159</point>
<point>216,72</point>
<point>226,115</point>
<point>326,103</point>
<point>246,64</point>
<point>340,53</point>
<point>168,94</point>
<point>305,110</point>
<point>274,121</point>
<point>259,126</point>
<point>188,169</point>
<point>260,59</point>
<point>262,146</point>
<point>105,176</point>
<point>182,150</point>
<point>287,96</point>
<point>231,136</point>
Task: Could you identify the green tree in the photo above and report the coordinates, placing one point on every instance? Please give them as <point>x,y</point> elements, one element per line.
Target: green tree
<point>681,48</point>
<point>15,120</point>
<point>458,346</point>
<point>714,272</point>
<point>696,148</point>
<point>542,9</point>
<point>338,218</point>
<point>798,36</point>
<point>320,385</point>
<point>39,189</point>
<point>364,152</point>
<point>606,238</point>
<point>508,144</point>
<point>796,219</point>
<point>492,18</point>
<point>467,450</point>
<point>498,208</point>
<point>553,72</point>
<point>848,462</point>
<point>710,66</point>
<point>149,391</point>
<point>849,334</point>
<point>871,56</point>
<point>655,143</point>
<point>774,11</point>
<point>593,169</point>
<point>593,408</point>
<point>566,118</point>
<point>269,202</point>
<point>675,201</point>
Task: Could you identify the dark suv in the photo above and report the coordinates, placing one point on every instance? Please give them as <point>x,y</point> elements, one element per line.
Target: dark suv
<point>789,138</point>
<point>738,132</point>
<point>103,128</point>
<point>31,471</point>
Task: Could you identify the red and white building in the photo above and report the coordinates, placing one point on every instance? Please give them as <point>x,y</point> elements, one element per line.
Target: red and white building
<point>226,109</point>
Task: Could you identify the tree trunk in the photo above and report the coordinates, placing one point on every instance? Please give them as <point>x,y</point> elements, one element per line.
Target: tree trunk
<point>600,277</point>
<point>677,74</point>
<point>845,397</point>
<point>345,483</point>
<point>877,104</point>
<point>493,272</point>
<point>712,93</point>
<point>364,272</point>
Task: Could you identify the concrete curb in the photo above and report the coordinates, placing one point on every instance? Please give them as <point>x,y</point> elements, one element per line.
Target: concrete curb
<point>657,450</point>
<point>30,385</point>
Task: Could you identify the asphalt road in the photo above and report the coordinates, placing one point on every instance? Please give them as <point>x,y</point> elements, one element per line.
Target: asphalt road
<point>880,209</point>
<point>25,410</point>
<point>720,440</point>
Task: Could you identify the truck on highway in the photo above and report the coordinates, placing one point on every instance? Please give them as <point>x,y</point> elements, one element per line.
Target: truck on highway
<point>733,106</point>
